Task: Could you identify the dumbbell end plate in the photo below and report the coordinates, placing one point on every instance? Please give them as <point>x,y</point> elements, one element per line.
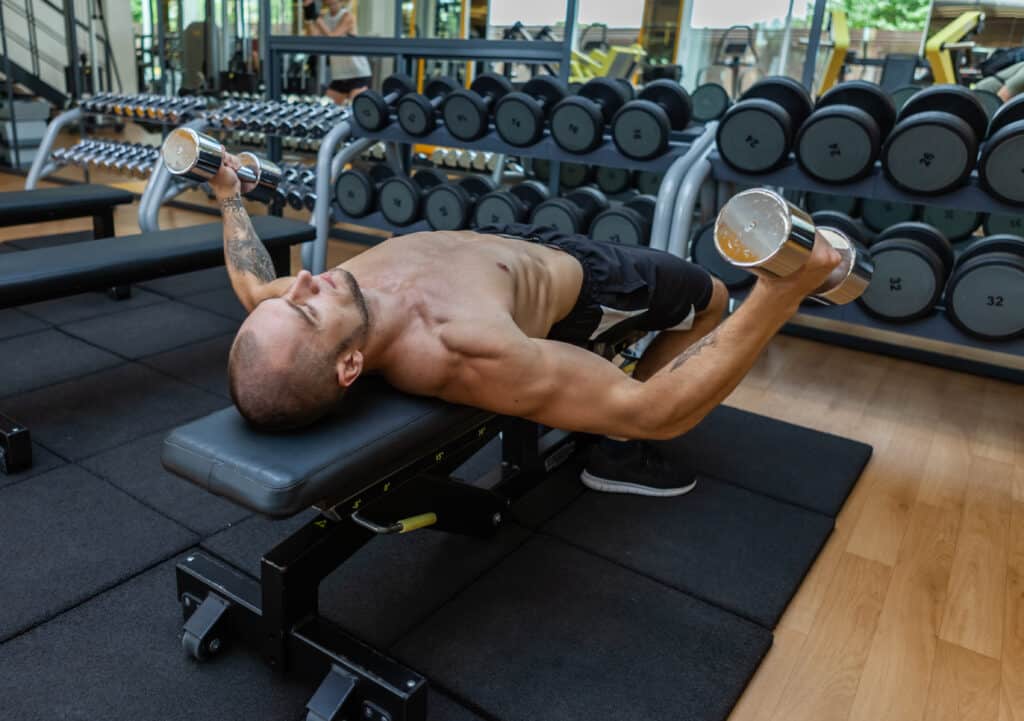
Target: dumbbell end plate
<point>181,151</point>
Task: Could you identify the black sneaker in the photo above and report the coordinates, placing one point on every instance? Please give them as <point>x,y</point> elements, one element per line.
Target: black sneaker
<point>634,467</point>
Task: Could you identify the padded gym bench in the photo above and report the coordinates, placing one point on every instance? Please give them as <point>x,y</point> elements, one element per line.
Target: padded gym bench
<point>21,207</point>
<point>29,276</point>
<point>382,464</point>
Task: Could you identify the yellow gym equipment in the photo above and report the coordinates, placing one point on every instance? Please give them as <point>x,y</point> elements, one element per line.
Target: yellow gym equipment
<point>939,49</point>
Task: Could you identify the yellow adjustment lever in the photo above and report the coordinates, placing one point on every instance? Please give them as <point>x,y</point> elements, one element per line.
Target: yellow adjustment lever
<point>414,523</point>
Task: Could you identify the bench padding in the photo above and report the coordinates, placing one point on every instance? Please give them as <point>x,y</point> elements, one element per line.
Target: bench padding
<point>376,430</point>
<point>72,201</point>
<point>29,276</point>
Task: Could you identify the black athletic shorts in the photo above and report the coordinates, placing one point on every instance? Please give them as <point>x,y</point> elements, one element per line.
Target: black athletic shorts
<point>625,287</point>
<point>349,84</point>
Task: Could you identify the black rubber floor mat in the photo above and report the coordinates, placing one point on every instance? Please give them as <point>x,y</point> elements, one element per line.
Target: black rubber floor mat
<point>221,301</point>
<point>76,535</point>
<point>555,634</point>
<point>42,461</point>
<point>88,305</point>
<point>739,550</point>
<point>203,364</point>
<point>793,464</point>
<point>390,584</point>
<point>156,328</point>
<point>14,323</point>
<point>176,286</point>
<point>82,417</point>
<point>135,468</point>
<point>47,357</point>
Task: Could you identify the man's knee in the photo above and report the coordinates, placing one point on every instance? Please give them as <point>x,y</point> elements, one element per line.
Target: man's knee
<point>718,303</point>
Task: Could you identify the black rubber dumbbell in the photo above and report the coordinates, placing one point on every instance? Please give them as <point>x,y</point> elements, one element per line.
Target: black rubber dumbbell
<point>878,215</point>
<point>710,101</point>
<point>577,123</point>
<point>912,262</point>
<point>985,294</point>
<point>400,198</point>
<point>954,223</point>
<point>570,175</point>
<point>417,114</point>
<point>372,110</point>
<point>629,223</point>
<point>309,199</point>
<point>355,191</point>
<point>934,145</point>
<point>1001,166</point>
<point>572,213</point>
<point>704,253</point>
<point>1004,224</point>
<point>450,206</point>
<point>755,135</point>
<point>467,112</point>
<point>648,182</point>
<point>902,94</point>
<point>842,222</point>
<point>846,204</point>
<point>642,128</point>
<point>613,181</point>
<point>989,100</point>
<point>519,117</point>
<point>503,207</point>
<point>841,140</point>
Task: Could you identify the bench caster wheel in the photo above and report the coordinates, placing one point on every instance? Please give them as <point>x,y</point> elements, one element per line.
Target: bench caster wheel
<point>201,634</point>
<point>195,647</point>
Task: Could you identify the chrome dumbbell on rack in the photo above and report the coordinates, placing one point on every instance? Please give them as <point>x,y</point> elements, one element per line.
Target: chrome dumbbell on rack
<point>193,155</point>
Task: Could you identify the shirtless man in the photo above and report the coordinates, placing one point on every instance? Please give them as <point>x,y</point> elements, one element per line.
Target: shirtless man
<point>498,322</point>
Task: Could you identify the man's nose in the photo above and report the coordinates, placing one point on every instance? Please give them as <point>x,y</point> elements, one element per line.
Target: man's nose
<point>305,285</point>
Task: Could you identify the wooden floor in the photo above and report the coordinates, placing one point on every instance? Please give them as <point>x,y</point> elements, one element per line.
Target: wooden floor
<point>915,609</point>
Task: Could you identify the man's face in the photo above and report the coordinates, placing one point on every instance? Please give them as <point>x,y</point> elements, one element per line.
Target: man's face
<point>326,310</point>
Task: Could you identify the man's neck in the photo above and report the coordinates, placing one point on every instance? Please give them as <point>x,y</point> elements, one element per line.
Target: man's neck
<point>384,328</point>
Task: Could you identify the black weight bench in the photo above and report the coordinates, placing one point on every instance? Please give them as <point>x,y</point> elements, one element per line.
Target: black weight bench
<point>29,276</point>
<point>21,207</point>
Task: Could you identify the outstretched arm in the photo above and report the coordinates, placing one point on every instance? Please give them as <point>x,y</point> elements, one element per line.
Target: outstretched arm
<point>247,260</point>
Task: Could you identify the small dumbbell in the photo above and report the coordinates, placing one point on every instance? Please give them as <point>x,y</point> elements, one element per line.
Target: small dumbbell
<point>372,110</point>
<point>519,117</point>
<point>756,134</point>
<point>934,145</point>
<point>198,157</point>
<point>503,207</point>
<point>450,206</point>
<point>1000,166</point>
<point>578,122</point>
<point>400,198</point>
<point>841,140</point>
<point>570,175</point>
<point>355,192</point>
<point>642,128</point>
<point>782,243</point>
<point>710,101</point>
<point>985,294</point>
<point>912,262</point>
<point>648,182</point>
<point>846,204</point>
<point>466,113</point>
<point>309,200</point>
<point>954,223</point>
<point>879,214</point>
<point>572,213</point>
<point>613,181</point>
<point>1004,225</point>
<point>417,114</point>
<point>628,224</point>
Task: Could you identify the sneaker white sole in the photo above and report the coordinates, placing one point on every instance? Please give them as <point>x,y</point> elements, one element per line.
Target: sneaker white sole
<point>606,485</point>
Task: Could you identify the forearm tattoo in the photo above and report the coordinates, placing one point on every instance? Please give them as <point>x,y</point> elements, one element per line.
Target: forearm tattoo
<point>694,350</point>
<point>243,249</point>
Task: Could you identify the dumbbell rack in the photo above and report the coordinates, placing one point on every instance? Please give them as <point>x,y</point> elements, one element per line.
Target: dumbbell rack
<point>931,339</point>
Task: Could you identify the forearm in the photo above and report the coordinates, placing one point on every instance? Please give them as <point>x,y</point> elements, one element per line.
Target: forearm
<point>247,260</point>
<point>702,376</point>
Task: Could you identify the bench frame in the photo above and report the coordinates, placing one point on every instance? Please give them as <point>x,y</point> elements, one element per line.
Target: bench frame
<point>278,615</point>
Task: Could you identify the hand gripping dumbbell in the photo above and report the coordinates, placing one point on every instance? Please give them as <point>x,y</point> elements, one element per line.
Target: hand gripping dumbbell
<point>355,191</point>
<point>912,262</point>
<point>641,129</point>
<point>842,138</point>
<point>450,206</point>
<point>372,110</point>
<point>572,213</point>
<point>755,135</point>
<point>710,101</point>
<point>519,116</point>
<point>417,114</point>
<point>198,157</point>
<point>1001,165</point>
<point>985,294</point>
<point>577,123</point>
<point>503,207</point>
<point>934,145</point>
<point>760,229</point>
<point>629,223</point>
<point>467,113</point>
<point>400,198</point>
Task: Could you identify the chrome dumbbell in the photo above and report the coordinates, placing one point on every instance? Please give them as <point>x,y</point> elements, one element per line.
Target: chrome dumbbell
<point>198,157</point>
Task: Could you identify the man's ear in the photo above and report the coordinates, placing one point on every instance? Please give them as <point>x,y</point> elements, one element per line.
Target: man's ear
<point>350,366</point>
